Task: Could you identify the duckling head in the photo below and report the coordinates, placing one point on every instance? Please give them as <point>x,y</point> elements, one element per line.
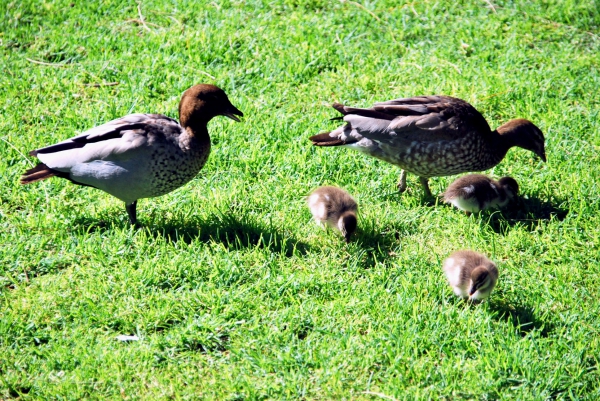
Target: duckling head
<point>200,103</point>
<point>347,224</point>
<point>481,284</point>
<point>524,134</point>
<point>510,185</point>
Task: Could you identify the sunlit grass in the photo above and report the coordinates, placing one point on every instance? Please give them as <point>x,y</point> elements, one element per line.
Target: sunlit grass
<point>233,291</point>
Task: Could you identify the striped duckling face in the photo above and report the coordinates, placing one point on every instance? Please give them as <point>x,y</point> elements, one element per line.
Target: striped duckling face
<point>511,187</point>
<point>347,224</point>
<point>481,284</point>
<point>334,207</point>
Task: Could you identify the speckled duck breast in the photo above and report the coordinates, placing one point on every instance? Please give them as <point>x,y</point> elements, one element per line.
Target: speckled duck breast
<point>176,159</point>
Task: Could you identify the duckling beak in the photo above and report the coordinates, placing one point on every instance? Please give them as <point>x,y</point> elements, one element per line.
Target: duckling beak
<point>542,156</point>
<point>232,113</point>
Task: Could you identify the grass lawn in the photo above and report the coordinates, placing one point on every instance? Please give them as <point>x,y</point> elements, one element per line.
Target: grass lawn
<point>234,292</point>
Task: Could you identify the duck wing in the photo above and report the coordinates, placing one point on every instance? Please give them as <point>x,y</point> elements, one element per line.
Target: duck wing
<point>117,140</point>
<point>136,124</point>
<point>402,121</point>
<point>114,157</point>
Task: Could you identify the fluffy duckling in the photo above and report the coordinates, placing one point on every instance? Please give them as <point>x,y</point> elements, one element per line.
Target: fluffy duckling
<point>139,155</point>
<point>430,136</point>
<point>470,274</point>
<point>475,192</point>
<point>335,207</point>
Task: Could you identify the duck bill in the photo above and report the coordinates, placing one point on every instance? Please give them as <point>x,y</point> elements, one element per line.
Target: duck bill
<point>543,157</point>
<point>233,112</point>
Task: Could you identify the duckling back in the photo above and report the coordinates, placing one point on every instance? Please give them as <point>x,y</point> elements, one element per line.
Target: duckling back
<point>470,274</point>
<point>475,192</point>
<point>335,207</point>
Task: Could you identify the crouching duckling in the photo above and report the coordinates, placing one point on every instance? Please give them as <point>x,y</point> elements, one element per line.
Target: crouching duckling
<point>335,207</point>
<point>475,192</point>
<point>470,274</point>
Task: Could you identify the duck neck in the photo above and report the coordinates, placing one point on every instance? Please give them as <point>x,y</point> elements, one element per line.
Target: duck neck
<point>499,144</point>
<point>194,122</point>
<point>198,132</point>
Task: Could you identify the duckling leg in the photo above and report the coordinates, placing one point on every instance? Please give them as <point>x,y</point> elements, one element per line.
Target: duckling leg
<point>402,181</point>
<point>425,185</point>
<point>130,207</point>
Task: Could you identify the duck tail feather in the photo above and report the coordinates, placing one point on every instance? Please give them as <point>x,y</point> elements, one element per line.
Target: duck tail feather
<point>341,108</point>
<point>40,172</point>
<point>325,139</point>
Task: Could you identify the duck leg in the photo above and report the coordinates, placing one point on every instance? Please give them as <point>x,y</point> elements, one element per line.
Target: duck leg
<point>130,207</point>
<point>425,185</point>
<point>402,181</point>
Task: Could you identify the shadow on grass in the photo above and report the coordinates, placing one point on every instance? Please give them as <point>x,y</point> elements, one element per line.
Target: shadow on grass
<point>234,232</point>
<point>376,244</point>
<point>534,208</point>
<point>412,196</point>
<point>527,213</point>
<point>522,317</point>
<point>372,239</point>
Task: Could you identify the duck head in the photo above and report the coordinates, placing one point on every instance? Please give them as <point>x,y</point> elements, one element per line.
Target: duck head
<point>524,134</point>
<point>200,103</point>
<point>480,281</point>
<point>347,224</point>
<point>510,185</point>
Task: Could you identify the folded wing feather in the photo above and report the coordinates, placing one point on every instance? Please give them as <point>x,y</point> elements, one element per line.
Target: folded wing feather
<point>116,140</point>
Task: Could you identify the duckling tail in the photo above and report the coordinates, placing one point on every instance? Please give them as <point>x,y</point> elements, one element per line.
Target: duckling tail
<point>38,173</point>
<point>325,140</point>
